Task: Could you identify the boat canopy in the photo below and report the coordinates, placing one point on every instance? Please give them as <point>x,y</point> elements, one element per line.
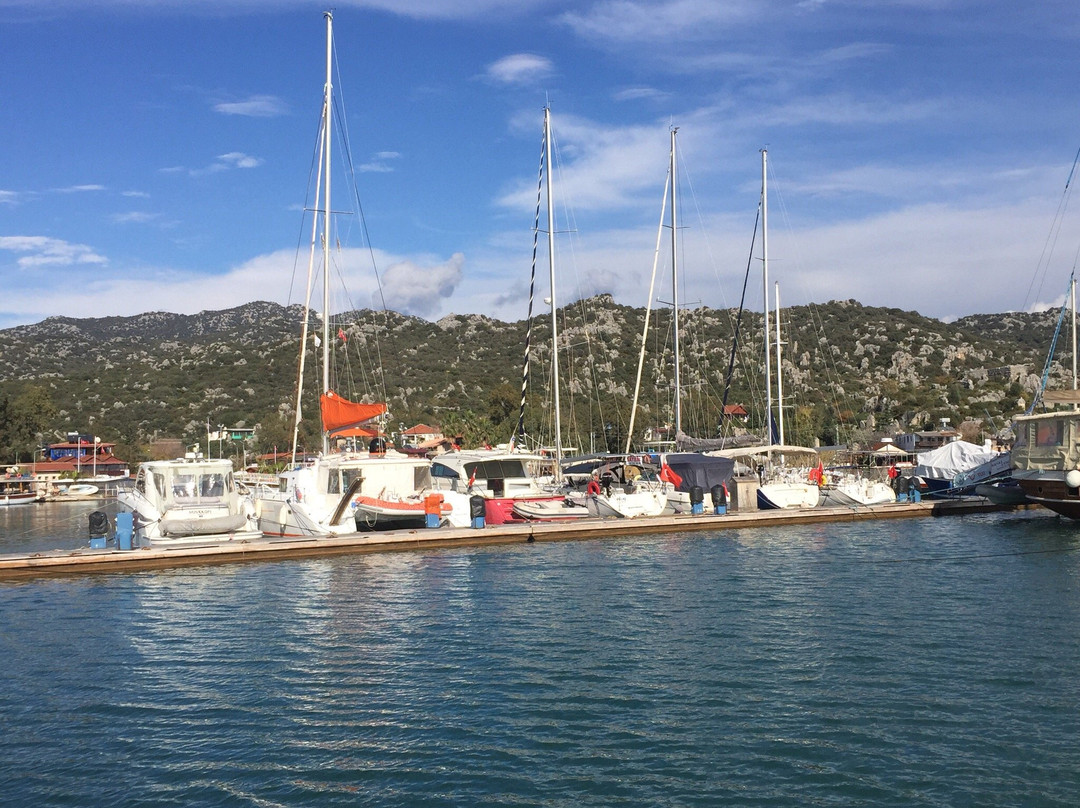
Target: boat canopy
<point>686,470</point>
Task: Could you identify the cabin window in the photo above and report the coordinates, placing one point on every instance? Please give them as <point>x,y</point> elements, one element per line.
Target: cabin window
<point>212,485</point>
<point>348,476</point>
<point>444,471</point>
<point>183,487</point>
<point>1049,433</point>
<point>421,478</point>
<point>140,482</point>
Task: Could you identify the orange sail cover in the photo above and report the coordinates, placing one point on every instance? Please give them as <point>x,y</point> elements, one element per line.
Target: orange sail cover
<point>338,412</point>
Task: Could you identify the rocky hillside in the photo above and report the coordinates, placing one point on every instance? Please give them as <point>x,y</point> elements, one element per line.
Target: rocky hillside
<point>848,371</point>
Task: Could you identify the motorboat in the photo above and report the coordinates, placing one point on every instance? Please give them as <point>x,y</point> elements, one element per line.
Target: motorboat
<point>16,489</point>
<point>502,477</point>
<point>188,501</point>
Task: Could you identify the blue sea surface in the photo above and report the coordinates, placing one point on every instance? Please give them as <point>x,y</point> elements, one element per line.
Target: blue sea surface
<point>910,662</point>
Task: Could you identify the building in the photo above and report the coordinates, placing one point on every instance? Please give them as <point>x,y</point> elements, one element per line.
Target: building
<point>915,442</point>
<point>79,456</point>
<point>421,433</point>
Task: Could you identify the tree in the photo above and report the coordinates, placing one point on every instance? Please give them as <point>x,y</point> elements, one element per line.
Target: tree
<point>29,415</point>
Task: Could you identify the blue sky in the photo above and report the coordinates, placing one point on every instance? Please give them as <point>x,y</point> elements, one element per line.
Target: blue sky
<point>156,155</point>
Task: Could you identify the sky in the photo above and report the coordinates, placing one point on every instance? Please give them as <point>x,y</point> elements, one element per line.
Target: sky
<point>156,155</point>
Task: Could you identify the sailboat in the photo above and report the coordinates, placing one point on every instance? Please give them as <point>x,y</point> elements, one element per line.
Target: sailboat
<point>511,489</point>
<point>781,485</point>
<point>342,491</point>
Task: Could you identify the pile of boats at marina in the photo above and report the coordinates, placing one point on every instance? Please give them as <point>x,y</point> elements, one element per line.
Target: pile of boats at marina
<point>200,501</point>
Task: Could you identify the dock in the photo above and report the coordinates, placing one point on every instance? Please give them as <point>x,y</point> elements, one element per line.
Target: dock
<point>109,560</point>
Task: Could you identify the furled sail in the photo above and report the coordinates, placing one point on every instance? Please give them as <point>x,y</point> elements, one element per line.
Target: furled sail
<point>340,413</point>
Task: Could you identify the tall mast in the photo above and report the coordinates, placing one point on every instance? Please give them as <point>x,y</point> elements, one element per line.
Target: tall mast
<point>765,294</point>
<point>327,118</point>
<point>554,307</point>
<point>675,287</point>
<point>779,373</point>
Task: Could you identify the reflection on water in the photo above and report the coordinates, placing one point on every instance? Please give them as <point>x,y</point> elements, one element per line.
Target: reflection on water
<point>907,662</point>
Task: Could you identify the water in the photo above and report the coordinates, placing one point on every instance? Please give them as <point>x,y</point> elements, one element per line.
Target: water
<point>901,663</point>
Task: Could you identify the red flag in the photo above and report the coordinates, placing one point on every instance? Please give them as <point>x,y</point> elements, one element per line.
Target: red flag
<point>341,335</point>
<point>472,479</point>
<point>668,475</point>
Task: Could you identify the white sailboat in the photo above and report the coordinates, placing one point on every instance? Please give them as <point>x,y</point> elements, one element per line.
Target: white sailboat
<point>530,501</point>
<point>783,479</point>
<point>340,491</point>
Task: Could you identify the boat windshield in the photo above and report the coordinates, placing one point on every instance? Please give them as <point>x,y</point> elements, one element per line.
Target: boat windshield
<point>198,487</point>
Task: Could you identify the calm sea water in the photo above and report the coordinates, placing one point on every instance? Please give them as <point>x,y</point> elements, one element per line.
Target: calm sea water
<point>897,663</point>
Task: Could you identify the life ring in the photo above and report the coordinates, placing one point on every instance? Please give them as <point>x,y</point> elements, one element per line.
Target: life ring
<point>593,488</point>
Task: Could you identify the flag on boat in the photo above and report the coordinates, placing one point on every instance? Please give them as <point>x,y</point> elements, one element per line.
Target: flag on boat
<point>341,335</point>
<point>668,475</point>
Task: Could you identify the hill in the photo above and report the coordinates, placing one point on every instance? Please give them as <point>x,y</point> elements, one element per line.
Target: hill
<point>849,371</point>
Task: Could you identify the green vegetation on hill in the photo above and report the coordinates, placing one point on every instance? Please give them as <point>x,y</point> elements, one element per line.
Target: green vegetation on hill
<point>849,371</point>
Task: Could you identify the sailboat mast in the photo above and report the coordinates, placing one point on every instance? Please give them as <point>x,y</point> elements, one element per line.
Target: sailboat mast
<point>554,307</point>
<point>765,294</point>
<point>327,140</point>
<point>675,287</point>
<point>779,373</point>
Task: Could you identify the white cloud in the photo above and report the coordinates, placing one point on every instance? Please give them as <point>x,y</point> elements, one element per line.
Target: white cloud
<point>8,197</point>
<point>637,93</point>
<point>413,288</point>
<point>76,189</point>
<point>378,162</point>
<point>629,21</point>
<point>239,160</point>
<point>45,251</point>
<point>224,162</point>
<point>256,106</point>
<point>134,217</point>
<point>520,68</point>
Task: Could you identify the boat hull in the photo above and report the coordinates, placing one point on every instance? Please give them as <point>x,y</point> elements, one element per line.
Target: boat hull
<point>12,500</point>
<point>627,506</point>
<point>549,510</point>
<point>779,496</point>
<point>1052,493</point>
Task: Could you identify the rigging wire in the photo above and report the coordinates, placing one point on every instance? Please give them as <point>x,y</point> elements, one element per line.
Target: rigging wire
<point>1043,264</point>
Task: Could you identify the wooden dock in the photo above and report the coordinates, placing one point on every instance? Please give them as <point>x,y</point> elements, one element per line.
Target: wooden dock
<point>111,560</point>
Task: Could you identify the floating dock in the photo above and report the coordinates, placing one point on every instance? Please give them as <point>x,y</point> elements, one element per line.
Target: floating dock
<point>60,562</point>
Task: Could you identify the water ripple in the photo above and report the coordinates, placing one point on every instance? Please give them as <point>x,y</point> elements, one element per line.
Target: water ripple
<point>921,662</point>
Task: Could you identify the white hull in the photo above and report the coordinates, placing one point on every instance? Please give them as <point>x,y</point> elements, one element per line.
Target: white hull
<point>857,492</point>
<point>783,495</point>
<point>627,506</point>
<point>11,500</point>
<point>549,510</point>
